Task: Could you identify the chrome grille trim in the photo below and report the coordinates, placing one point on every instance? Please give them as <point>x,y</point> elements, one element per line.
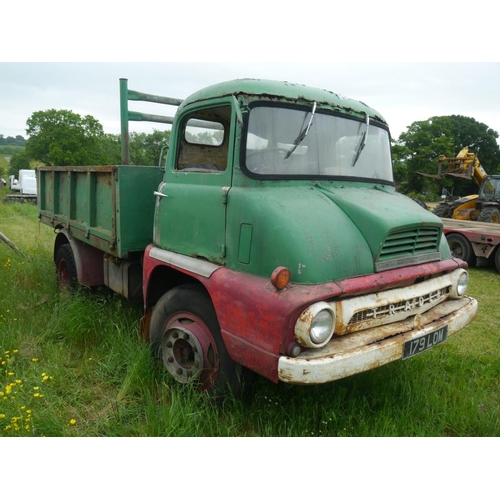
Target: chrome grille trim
<point>390,306</point>
<point>414,305</point>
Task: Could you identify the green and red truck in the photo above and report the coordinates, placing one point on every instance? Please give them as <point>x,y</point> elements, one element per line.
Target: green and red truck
<point>271,240</point>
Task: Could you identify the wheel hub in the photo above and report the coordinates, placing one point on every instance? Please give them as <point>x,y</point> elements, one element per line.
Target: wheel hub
<point>182,353</point>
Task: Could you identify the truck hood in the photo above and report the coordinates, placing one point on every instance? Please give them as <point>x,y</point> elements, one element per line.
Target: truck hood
<point>322,232</point>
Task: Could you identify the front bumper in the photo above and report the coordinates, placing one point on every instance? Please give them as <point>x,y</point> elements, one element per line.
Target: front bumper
<point>362,351</point>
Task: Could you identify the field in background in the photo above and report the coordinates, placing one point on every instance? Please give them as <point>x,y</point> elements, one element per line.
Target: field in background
<point>73,365</point>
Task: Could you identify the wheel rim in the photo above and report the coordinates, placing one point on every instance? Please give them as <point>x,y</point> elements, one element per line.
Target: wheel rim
<point>189,351</point>
<point>457,250</point>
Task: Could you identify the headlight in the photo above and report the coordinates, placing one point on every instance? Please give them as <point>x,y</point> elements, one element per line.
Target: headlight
<point>321,326</point>
<point>459,287</point>
<point>314,328</point>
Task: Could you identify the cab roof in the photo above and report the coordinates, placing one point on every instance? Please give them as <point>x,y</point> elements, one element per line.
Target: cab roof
<point>283,91</point>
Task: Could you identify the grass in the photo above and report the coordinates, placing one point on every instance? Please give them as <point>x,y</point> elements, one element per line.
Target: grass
<point>4,171</point>
<point>74,365</point>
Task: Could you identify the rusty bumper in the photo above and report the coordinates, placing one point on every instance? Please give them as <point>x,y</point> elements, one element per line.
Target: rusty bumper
<point>374,347</point>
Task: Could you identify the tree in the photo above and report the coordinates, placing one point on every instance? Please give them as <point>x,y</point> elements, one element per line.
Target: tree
<point>61,137</point>
<point>19,161</point>
<point>110,145</point>
<point>399,154</point>
<point>145,149</point>
<point>419,147</point>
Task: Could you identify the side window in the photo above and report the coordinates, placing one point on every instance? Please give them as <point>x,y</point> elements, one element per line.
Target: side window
<point>204,141</point>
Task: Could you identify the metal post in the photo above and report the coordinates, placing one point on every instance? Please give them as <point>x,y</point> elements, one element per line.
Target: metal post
<point>124,121</point>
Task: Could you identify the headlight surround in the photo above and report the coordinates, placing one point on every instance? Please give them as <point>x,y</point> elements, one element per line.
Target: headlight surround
<point>314,328</point>
<point>460,284</point>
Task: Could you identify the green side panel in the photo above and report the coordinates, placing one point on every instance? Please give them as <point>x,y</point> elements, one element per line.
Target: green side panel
<point>136,206</point>
<point>245,243</point>
<point>191,218</point>
<point>102,187</point>
<point>109,207</point>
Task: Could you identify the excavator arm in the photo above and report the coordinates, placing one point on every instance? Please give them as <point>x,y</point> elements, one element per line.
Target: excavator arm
<point>465,166</point>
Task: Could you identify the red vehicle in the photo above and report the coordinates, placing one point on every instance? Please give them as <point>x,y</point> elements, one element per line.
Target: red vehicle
<point>471,240</point>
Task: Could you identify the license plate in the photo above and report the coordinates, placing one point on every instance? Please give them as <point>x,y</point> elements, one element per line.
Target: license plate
<point>424,343</point>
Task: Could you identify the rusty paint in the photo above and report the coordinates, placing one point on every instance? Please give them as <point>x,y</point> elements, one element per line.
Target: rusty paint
<point>257,321</point>
<point>372,349</point>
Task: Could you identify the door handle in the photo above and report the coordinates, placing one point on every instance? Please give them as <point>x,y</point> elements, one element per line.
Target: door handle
<point>161,195</point>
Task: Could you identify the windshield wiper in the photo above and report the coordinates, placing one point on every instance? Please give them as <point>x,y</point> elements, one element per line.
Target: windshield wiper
<point>363,140</point>
<point>302,134</point>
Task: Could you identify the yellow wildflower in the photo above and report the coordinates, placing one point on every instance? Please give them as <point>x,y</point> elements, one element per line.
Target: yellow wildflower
<point>72,421</point>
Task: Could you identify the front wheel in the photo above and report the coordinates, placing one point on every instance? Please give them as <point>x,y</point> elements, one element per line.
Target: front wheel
<point>185,335</point>
<point>461,248</point>
<point>497,259</point>
<point>489,214</point>
<point>443,210</point>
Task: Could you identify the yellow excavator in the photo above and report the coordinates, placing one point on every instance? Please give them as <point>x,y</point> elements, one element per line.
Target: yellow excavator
<point>484,206</point>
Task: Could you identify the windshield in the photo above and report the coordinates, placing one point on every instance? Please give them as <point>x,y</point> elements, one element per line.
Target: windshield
<point>490,188</point>
<point>332,146</point>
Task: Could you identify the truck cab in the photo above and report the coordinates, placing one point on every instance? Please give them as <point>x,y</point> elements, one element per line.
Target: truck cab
<point>283,208</point>
<point>271,241</point>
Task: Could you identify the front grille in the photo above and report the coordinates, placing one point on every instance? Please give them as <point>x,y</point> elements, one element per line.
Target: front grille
<point>410,242</point>
<point>413,306</point>
<point>409,247</point>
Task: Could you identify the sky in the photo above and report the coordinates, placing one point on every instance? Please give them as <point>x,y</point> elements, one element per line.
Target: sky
<point>402,92</point>
<point>408,62</point>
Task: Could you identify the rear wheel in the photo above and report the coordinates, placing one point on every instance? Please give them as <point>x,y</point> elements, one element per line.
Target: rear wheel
<point>497,259</point>
<point>67,278</point>
<point>489,214</point>
<point>443,210</point>
<point>185,336</point>
<point>461,248</point>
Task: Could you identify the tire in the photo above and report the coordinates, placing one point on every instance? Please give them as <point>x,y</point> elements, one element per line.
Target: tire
<point>443,210</point>
<point>67,278</point>
<point>497,259</point>
<point>489,214</point>
<point>185,336</point>
<point>461,248</point>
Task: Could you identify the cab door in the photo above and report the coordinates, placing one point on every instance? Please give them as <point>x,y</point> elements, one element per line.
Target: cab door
<point>191,202</point>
